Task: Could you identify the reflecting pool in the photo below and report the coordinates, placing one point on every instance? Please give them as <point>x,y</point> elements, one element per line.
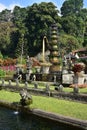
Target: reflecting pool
<point>13,120</point>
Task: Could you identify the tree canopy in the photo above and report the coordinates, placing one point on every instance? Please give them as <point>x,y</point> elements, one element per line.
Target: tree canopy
<point>70,7</point>
<point>26,27</point>
<point>39,19</point>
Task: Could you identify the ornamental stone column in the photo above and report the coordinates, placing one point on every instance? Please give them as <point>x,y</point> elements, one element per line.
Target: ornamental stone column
<point>54,59</point>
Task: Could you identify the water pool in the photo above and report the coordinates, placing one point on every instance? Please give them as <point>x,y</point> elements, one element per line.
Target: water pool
<point>12,120</point>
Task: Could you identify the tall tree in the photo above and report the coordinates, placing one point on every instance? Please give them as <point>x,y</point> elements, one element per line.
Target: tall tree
<point>5,15</point>
<point>83,14</point>
<point>71,6</point>
<point>39,19</point>
<point>72,19</point>
<point>67,43</point>
<point>21,48</point>
<point>19,21</point>
<point>6,28</point>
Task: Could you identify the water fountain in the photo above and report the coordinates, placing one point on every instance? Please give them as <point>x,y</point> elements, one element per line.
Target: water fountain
<point>50,69</point>
<point>54,70</point>
<point>9,120</point>
<point>44,64</point>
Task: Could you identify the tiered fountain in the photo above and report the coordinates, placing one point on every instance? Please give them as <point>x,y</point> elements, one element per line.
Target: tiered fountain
<point>54,50</point>
<point>54,55</point>
<point>53,73</point>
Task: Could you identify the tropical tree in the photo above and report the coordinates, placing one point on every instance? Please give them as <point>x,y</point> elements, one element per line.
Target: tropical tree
<point>67,43</point>
<point>5,15</point>
<point>83,14</point>
<point>21,49</point>
<point>19,21</point>
<point>73,20</point>
<point>71,7</point>
<point>6,28</point>
<point>39,19</point>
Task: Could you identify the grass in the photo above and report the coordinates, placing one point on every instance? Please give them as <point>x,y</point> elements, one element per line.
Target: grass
<point>63,107</point>
<point>81,90</point>
<point>9,96</point>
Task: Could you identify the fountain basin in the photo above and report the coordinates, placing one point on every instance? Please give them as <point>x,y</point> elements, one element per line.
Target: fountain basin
<point>46,120</point>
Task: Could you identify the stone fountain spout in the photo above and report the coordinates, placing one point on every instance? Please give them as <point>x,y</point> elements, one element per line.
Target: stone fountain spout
<point>26,98</point>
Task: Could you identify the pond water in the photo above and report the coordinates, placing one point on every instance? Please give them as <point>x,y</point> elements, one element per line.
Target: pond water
<point>12,120</point>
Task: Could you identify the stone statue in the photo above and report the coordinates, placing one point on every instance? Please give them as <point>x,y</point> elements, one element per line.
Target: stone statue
<point>26,98</point>
<point>29,68</point>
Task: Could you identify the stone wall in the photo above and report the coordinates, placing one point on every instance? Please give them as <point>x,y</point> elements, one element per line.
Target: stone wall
<point>68,79</point>
<point>46,92</point>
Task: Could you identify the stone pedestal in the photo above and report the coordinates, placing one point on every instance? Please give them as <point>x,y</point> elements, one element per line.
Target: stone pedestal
<point>45,67</point>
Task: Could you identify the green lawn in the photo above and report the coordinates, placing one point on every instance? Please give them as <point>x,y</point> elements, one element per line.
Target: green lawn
<point>63,107</point>
<point>81,90</point>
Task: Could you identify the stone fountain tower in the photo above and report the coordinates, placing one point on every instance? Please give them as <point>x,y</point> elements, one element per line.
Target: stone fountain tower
<point>54,59</point>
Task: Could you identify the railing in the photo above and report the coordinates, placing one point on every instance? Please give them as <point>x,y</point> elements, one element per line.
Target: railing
<point>45,90</point>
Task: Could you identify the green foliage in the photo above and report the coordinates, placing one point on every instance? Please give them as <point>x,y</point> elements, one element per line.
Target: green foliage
<point>67,43</point>
<point>71,7</point>
<point>2,72</point>
<point>19,17</point>
<point>19,21</point>
<point>73,25</point>
<point>33,70</point>
<point>85,41</point>
<point>73,19</point>
<point>40,17</point>
<point>19,60</point>
<point>34,22</point>
<point>21,48</point>
<point>6,15</point>
<point>1,56</point>
<point>6,28</point>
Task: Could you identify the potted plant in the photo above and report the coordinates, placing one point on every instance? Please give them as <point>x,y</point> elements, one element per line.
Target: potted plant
<point>78,68</point>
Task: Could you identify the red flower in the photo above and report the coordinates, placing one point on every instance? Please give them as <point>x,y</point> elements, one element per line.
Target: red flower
<point>78,68</point>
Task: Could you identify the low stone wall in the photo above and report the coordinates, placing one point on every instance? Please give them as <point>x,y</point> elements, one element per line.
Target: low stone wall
<point>70,79</point>
<point>48,77</point>
<point>70,96</point>
<point>46,91</point>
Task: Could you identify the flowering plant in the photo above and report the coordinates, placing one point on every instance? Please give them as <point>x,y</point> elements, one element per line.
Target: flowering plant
<point>78,67</point>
